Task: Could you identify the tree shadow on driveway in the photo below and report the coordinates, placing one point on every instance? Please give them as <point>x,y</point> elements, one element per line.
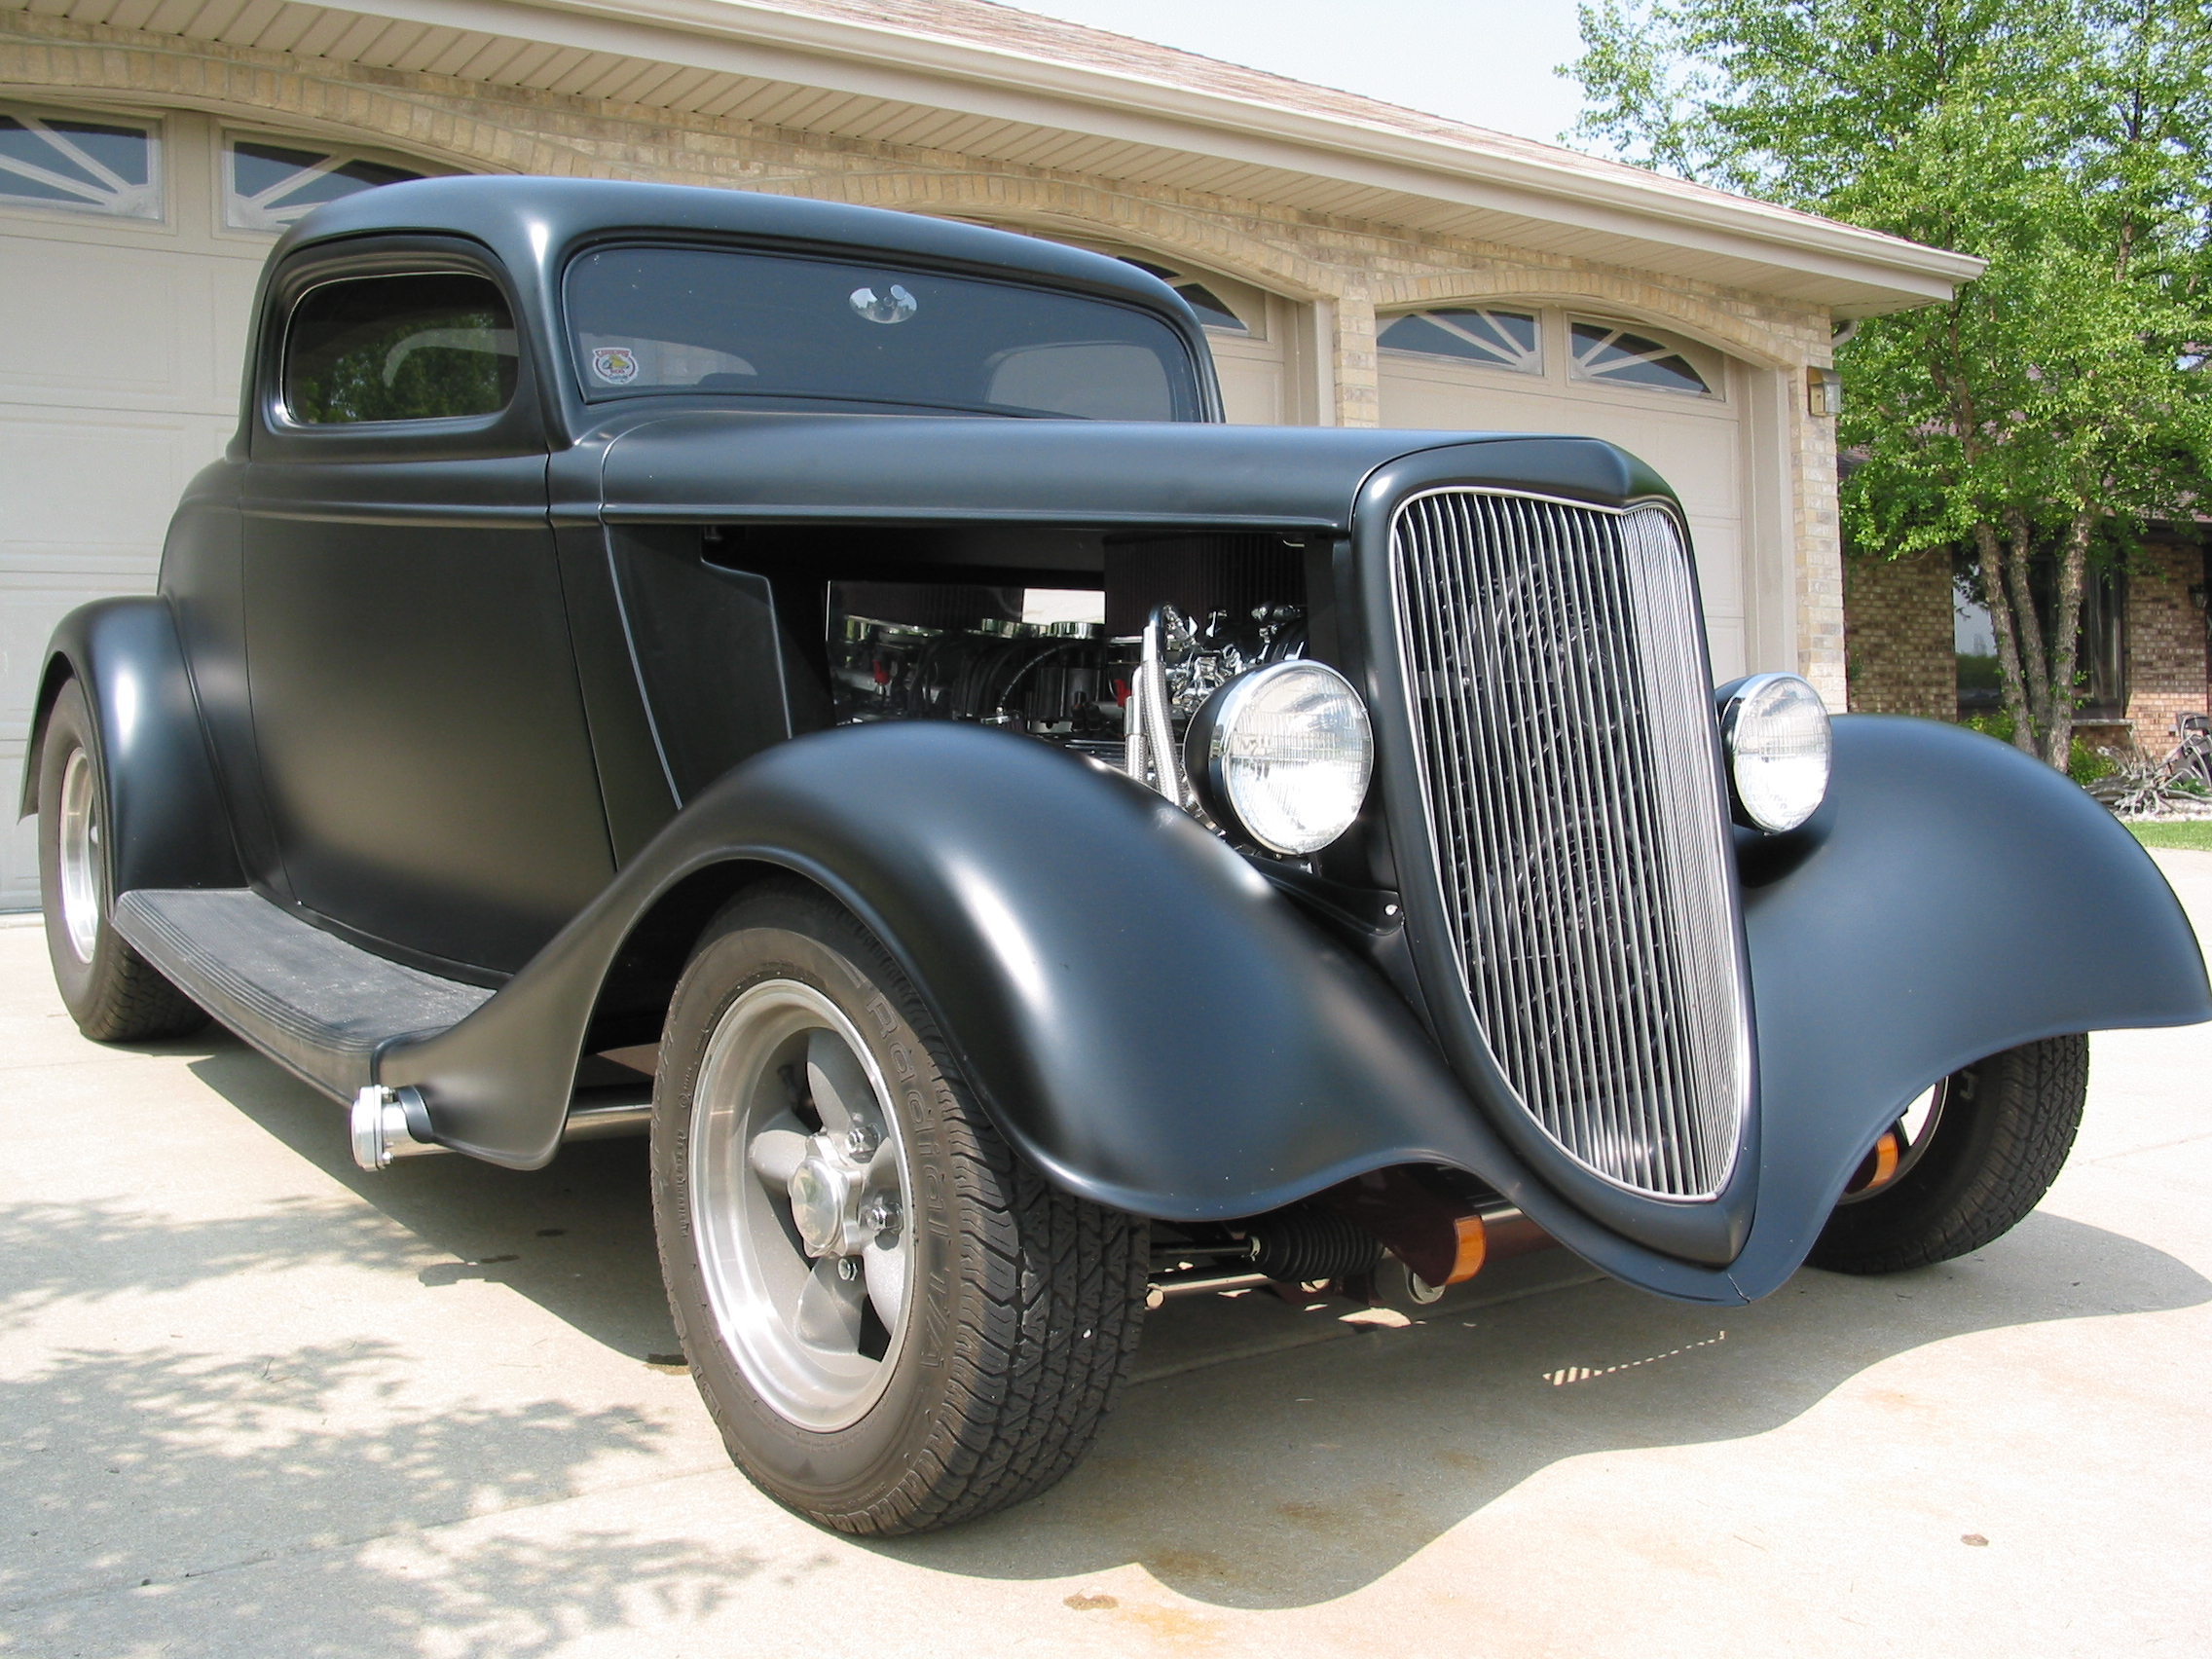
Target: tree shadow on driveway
<point>299,1502</point>
<point>575,1238</point>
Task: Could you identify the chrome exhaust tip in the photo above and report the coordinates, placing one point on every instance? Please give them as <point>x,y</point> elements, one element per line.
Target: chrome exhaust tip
<point>389,1123</point>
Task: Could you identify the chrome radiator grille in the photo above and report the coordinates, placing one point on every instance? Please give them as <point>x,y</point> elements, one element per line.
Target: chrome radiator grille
<point>1554,663</point>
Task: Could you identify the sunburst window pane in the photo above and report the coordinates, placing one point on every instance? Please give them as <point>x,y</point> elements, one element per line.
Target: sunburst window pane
<point>1603,353</point>
<point>95,166</point>
<point>269,186</point>
<point>1495,339</point>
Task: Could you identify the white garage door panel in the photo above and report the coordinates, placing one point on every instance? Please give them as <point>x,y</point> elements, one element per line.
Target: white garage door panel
<point>1696,455</point>
<point>1251,374</point>
<point>1692,444</point>
<point>19,846</point>
<point>88,320</point>
<point>85,480</point>
<point>1695,452</point>
<point>229,298</point>
<point>85,500</point>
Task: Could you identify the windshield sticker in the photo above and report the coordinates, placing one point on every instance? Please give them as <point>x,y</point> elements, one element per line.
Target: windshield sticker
<point>618,365</point>
<point>893,306</point>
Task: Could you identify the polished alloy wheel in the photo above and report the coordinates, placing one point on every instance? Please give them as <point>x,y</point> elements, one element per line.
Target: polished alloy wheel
<point>799,1200</point>
<point>78,845</point>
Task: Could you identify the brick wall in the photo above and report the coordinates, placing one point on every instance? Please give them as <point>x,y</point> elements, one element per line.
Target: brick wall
<point>2167,643</point>
<point>1898,640</point>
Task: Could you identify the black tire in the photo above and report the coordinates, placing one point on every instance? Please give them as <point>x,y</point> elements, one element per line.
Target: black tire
<point>2006,1126</point>
<point>1025,1303</point>
<point>114,994</point>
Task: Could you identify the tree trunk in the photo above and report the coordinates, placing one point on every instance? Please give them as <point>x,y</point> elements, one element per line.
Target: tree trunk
<point>2065,648</point>
<point>2020,549</point>
<point>2008,640</point>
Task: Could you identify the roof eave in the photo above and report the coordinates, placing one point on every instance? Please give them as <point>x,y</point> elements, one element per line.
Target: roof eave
<point>1535,194</point>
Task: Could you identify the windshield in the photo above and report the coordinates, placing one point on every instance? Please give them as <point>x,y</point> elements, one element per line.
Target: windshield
<point>675,319</point>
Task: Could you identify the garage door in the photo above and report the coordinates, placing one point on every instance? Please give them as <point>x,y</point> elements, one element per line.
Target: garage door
<point>130,245</point>
<point>1539,369</point>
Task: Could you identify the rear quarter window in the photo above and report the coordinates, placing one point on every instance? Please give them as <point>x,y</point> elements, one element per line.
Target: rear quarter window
<point>432,346</point>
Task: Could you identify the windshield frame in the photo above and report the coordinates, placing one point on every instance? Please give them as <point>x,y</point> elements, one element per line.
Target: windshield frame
<point>1194,395</point>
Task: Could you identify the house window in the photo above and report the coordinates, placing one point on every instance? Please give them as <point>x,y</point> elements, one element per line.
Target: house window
<point>2101,651</point>
<point>86,164</point>
<point>1604,353</point>
<point>1495,339</point>
<point>267,187</point>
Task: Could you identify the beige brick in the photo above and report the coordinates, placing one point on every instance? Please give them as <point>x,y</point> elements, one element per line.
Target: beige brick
<point>1899,636</point>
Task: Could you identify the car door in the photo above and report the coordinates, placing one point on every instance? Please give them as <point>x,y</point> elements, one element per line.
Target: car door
<point>420,732</point>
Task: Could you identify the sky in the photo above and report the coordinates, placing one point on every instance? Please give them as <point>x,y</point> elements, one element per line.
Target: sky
<point>1485,62</point>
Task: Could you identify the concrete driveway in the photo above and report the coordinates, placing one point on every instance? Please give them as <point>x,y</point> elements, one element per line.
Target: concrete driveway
<point>255,1403</point>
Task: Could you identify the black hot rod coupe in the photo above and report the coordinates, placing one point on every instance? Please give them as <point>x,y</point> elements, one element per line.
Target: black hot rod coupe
<point>824,686</point>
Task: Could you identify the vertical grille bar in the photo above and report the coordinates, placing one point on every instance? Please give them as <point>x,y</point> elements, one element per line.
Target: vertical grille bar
<point>1554,661</point>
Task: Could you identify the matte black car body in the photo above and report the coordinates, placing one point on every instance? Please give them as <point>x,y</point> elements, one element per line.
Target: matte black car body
<point>498,734</point>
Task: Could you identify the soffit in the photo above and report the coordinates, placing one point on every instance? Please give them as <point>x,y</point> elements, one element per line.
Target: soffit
<point>1004,85</point>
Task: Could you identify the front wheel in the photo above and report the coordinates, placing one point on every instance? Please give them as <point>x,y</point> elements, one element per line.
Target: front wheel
<point>1993,1138</point>
<point>114,994</point>
<point>896,1323</point>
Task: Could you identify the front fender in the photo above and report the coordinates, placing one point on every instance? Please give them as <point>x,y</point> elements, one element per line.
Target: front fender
<point>1142,1013</point>
<point>1952,898</point>
<point>166,827</point>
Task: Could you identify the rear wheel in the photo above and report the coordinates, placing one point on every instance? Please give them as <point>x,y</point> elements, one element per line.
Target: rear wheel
<point>1995,1139</point>
<point>114,994</point>
<point>896,1323</point>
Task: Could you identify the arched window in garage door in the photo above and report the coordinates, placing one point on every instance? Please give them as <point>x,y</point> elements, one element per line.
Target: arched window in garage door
<point>1249,331</point>
<point>1604,353</point>
<point>1217,314</point>
<point>268,185</point>
<point>1539,368</point>
<point>92,163</point>
<point>1491,339</point>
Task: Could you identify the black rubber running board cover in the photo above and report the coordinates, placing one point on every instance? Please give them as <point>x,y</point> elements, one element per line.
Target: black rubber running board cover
<point>314,1004</point>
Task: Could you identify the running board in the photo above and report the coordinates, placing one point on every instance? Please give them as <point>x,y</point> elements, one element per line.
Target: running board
<point>323,1008</point>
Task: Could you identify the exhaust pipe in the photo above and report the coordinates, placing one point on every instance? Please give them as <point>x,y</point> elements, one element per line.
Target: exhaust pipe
<point>395,1123</point>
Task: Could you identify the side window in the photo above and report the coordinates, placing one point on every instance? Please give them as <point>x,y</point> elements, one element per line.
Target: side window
<point>435,345</point>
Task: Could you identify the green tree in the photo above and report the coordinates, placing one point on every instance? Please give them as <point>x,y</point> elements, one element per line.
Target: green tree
<point>2059,400</point>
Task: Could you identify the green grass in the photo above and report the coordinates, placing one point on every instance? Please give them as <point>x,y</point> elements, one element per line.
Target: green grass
<point>2195,834</point>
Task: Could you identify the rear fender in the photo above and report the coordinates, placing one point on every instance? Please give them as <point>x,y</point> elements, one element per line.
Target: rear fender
<point>166,827</point>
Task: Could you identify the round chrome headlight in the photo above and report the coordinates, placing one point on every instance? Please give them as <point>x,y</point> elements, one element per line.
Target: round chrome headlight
<point>1775,729</point>
<point>1282,755</point>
